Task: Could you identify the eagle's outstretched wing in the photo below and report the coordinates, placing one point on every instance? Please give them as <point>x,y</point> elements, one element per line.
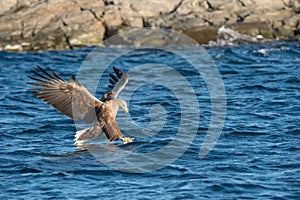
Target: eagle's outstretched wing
<point>75,101</point>
<point>117,83</point>
<point>70,98</point>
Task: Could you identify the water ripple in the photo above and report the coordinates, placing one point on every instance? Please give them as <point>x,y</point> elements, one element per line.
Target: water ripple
<point>257,156</point>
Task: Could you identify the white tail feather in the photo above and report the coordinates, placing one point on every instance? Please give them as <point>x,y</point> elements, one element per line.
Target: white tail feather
<point>77,136</point>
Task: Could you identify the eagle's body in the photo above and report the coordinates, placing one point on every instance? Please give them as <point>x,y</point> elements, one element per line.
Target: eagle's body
<point>75,101</point>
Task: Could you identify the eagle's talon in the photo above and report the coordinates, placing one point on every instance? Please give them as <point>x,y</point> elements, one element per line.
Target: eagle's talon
<point>126,140</point>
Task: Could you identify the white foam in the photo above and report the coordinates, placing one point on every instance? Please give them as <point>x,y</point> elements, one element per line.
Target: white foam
<point>227,36</point>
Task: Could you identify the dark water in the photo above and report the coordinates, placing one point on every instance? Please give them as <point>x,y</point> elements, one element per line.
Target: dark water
<point>256,157</point>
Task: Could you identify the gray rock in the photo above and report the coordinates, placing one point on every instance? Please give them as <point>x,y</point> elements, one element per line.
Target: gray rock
<point>7,5</point>
<point>27,25</point>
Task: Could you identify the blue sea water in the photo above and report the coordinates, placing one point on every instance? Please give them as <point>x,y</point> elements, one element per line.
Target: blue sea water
<point>256,157</point>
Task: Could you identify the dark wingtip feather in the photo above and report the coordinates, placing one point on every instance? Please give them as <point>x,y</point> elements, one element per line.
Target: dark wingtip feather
<point>74,79</point>
<point>112,81</point>
<point>36,79</point>
<point>118,72</point>
<point>36,84</point>
<point>54,74</point>
<point>45,72</point>
<point>113,77</point>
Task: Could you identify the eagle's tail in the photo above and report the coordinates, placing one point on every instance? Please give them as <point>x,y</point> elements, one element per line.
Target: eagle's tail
<point>85,134</point>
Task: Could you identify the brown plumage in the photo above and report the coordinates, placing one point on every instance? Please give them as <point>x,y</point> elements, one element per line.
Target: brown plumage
<point>75,101</point>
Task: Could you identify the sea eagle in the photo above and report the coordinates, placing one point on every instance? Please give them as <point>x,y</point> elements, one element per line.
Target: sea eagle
<point>75,101</point>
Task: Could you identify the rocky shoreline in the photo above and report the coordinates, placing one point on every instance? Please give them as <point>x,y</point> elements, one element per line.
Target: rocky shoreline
<point>31,25</point>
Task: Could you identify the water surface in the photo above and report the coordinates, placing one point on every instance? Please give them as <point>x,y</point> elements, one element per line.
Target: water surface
<point>256,157</point>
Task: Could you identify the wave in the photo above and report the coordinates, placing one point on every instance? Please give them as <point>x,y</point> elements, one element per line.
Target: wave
<point>229,37</point>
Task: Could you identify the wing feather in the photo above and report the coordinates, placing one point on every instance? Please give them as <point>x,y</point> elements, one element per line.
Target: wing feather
<point>113,77</point>
<point>54,74</point>
<point>70,98</point>
<point>117,84</point>
<point>118,72</point>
